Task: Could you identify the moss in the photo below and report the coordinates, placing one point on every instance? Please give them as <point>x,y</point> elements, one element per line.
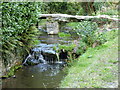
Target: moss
<point>12,71</point>
<point>5,76</point>
<point>62,34</point>
<point>67,47</point>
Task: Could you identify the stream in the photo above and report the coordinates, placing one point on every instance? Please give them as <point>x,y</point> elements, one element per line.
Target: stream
<point>48,73</point>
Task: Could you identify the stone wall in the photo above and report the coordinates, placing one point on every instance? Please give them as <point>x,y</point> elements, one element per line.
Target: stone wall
<point>14,58</point>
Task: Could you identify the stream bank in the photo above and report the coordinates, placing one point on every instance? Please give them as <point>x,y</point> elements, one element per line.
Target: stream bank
<point>96,68</point>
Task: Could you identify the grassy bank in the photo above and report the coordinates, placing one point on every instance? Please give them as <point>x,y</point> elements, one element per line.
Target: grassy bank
<point>97,68</point>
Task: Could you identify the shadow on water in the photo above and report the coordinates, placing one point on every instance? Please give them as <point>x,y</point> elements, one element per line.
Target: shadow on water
<point>42,75</point>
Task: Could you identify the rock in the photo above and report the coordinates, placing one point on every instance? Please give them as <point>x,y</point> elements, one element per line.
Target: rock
<point>32,62</point>
<point>52,27</point>
<point>67,28</point>
<point>63,54</point>
<point>35,58</point>
<point>43,53</point>
<point>42,30</point>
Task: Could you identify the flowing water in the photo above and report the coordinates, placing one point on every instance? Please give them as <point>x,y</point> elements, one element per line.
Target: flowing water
<point>47,74</point>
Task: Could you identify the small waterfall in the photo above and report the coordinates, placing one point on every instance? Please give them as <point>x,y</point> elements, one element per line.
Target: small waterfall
<point>44,53</point>
<point>42,60</point>
<point>57,54</point>
<point>29,56</point>
<point>35,58</point>
<point>50,60</point>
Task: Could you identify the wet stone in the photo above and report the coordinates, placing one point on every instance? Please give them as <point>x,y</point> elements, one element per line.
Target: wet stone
<point>32,62</point>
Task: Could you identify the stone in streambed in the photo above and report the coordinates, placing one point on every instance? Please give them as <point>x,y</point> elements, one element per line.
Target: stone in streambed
<point>32,62</point>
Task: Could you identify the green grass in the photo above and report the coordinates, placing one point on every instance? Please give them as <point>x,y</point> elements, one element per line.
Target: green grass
<point>97,68</point>
<point>108,12</point>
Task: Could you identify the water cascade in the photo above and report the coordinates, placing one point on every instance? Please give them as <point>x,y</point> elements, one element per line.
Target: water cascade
<point>43,53</point>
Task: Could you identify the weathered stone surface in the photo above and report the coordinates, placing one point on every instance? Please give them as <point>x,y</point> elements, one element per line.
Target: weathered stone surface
<point>52,27</point>
<point>14,60</point>
<point>32,62</point>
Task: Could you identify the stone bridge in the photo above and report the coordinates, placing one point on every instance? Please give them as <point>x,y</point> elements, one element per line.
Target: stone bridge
<point>53,20</point>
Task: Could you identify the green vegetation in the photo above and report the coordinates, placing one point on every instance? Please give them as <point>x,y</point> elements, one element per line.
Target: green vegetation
<point>12,71</point>
<point>107,8</point>
<point>81,48</point>
<point>80,8</point>
<point>18,27</point>
<point>90,36</point>
<point>19,20</point>
<point>96,68</point>
<point>64,35</point>
<point>72,24</point>
<point>69,47</point>
<point>62,7</point>
<point>19,33</point>
<point>111,34</point>
<point>87,31</point>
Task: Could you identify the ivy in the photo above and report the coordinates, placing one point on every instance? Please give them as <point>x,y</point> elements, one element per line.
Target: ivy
<point>18,27</point>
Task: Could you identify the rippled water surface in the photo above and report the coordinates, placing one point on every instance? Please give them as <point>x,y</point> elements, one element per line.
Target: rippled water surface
<point>38,76</point>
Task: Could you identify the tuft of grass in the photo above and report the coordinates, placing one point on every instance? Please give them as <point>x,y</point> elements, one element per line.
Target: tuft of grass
<point>97,68</point>
<point>62,34</point>
<point>109,12</point>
